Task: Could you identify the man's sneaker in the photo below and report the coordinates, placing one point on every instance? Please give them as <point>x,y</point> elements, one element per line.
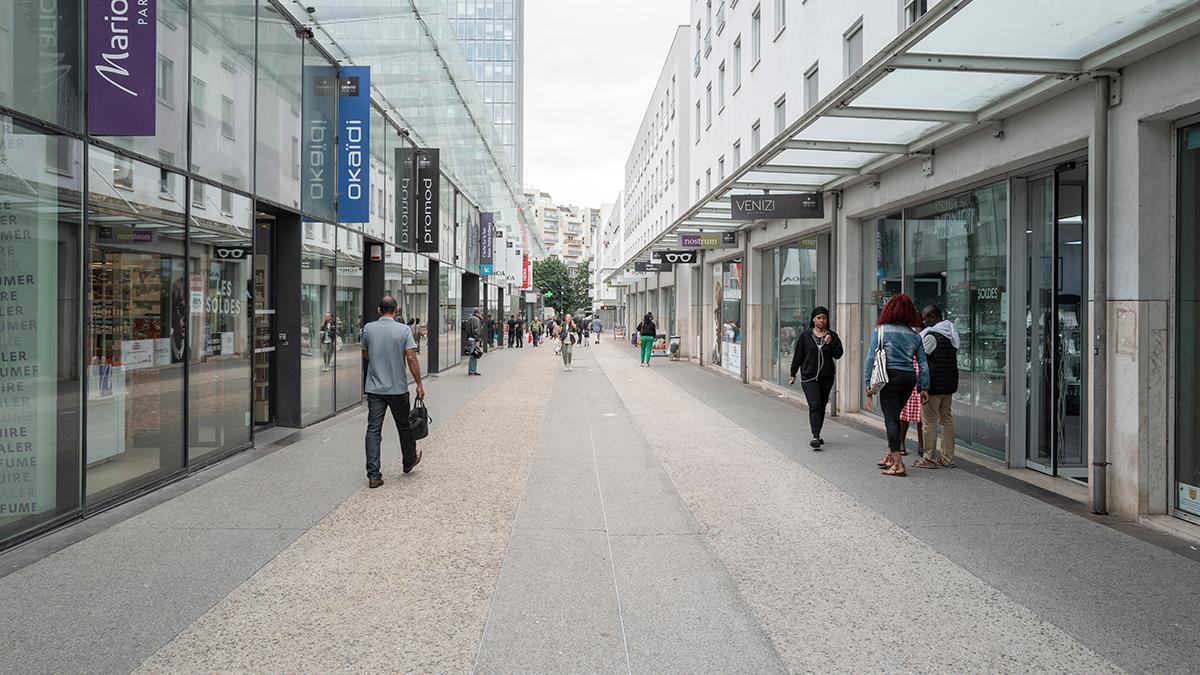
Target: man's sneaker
<point>374,483</point>
<point>815,444</point>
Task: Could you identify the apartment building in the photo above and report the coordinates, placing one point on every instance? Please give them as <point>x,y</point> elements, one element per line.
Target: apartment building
<point>567,230</point>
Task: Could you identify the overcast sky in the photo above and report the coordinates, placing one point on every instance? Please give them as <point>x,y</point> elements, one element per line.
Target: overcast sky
<point>590,67</point>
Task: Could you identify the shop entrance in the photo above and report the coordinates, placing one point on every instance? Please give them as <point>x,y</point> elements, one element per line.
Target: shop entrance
<point>1056,240</point>
<point>264,321</point>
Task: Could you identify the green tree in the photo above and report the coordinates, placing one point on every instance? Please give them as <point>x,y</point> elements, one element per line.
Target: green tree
<point>569,287</point>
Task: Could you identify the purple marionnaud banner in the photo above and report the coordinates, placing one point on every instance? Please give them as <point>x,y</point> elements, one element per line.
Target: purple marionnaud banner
<point>121,63</point>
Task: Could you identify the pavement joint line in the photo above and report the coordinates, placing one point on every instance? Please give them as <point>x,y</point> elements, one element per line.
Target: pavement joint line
<point>612,566</point>
<point>512,530</point>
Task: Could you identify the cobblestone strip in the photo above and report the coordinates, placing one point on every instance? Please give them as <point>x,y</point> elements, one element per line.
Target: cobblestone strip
<point>395,579</point>
<point>837,586</point>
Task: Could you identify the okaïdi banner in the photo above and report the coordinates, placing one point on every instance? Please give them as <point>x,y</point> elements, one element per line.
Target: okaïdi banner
<point>122,41</point>
<point>354,144</point>
<point>428,184</point>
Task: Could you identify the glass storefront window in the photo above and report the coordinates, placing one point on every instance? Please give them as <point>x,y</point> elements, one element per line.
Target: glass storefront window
<point>41,59</point>
<point>41,177</point>
<point>169,142</point>
<point>953,252</point>
<point>223,90</point>
<point>318,329</point>
<point>318,129</point>
<point>139,300</point>
<point>280,77</point>
<point>1187,327</point>
<point>727,315</point>
<point>350,322</point>
<point>790,294</point>
<point>449,349</point>
<point>219,301</point>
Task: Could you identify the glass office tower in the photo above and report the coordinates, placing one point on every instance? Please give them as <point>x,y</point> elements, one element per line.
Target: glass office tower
<point>492,36</point>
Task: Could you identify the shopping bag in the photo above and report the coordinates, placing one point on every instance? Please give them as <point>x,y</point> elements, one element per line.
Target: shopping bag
<point>418,420</point>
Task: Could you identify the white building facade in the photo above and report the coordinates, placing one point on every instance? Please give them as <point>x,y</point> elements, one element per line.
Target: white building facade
<point>1031,168</point>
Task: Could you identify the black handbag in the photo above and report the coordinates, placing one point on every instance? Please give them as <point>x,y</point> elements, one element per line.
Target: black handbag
<point>418,420</point>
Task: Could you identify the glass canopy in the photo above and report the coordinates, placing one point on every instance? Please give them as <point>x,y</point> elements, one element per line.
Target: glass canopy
<point>958,68</point>
<point>420,78</point>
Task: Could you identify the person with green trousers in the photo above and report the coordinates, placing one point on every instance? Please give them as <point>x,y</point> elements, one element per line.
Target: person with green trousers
<point>648,331</point>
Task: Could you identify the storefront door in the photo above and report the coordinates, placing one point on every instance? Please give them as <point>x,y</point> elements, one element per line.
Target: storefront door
<point>264,322</point>
<point>1056,283</point>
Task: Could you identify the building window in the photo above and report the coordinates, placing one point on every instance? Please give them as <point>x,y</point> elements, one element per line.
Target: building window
<point>697,189</point>
<point>227,117</point>
<point>197,191</point>
<point>812,92</point>
<point>708,106</point>
<point>780,115</point>
<point>913,10</point>
<point>737,152</point>
<point>755,136</point>
<point>780,17</point>
<point>721,87</point>
<point>199,97</point>
<point>164,87</point>
<point>697,121</point>
<point>854,48</point>
<point>165,177</point>
<point>721,168</point>
<point>707,181</point>
<point>671,96</point>
<point>58,155</point>
<point>756,37</point>
<point>122,172</point>
<point>737,64</point>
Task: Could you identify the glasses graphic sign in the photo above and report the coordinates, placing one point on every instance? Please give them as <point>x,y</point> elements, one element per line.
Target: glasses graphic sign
<point>775,207</point>
<point>674,257</point>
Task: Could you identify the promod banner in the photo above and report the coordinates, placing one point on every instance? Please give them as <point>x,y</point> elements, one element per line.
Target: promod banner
<point>487,244</point>
<point>406,198</point>
<point>428,184</point>
<point>354,146</point>
<point>122,43</point>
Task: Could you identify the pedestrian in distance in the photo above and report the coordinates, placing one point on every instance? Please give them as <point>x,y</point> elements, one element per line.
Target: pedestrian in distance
<point>813,358</point>
<point>596,326</point>
<point>520,333</point>
<point>585,327</point>
<point>489,340</point>
<point>896,336</point>
<point>941,343</point>
<point>387,347</point>
<point>568,337</point>
<point>512,330</point>
<point>328,336</point>
<point>536,331</point>
<point>474,340</point>
<point>647,331</point>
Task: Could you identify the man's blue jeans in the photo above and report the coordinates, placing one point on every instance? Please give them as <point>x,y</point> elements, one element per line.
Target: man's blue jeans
<point>472,362</point>
<point>377,407</point>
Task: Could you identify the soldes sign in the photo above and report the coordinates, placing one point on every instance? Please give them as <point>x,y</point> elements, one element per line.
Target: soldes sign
<point>122,46</point>
<point>772,207</point>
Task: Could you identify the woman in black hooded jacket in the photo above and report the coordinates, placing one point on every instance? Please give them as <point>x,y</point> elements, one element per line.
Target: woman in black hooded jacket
<point>813,358</point>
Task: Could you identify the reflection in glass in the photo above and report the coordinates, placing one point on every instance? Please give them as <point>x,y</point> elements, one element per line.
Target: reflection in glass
<point>318,130</point>
<point>727,315</point>
<point>137,329</point>
<point>280,70</point>
<point>318,331</point>
<point>220,305</point>
<point>223,90</point>
<point>41,59</point>
<point>792,289</point>
<point>40,214</point>
<point>350,322</point>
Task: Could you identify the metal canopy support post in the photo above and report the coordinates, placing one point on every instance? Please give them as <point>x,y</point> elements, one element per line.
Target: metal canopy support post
<point>1098,165</point>
<point>848,146</point>
<point>819,170</point>
<point>913,114</point>
<point>987,64</point>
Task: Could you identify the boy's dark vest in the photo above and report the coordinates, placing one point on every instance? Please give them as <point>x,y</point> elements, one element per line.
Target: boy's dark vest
<point>943,366</point>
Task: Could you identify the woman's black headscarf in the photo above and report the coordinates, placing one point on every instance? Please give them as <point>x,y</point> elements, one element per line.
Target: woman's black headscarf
<point>817,310</point>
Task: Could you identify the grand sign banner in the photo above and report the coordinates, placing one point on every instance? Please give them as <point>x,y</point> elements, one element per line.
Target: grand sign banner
<point>354,144</point>
<point>487,243</point>
<point>775,207</point>
<point>122,39</point>
<point>428,185</point>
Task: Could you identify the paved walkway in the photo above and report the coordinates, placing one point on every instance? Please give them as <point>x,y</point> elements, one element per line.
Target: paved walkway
<point>611,519</point>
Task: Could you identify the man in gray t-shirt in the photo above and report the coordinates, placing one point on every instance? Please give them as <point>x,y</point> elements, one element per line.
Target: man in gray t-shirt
<point>388,346</point>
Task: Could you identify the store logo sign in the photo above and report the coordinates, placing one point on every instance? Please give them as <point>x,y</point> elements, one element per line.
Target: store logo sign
<point>122,47</point>
<point>723,240</point>
<point>317,176</point>
<point>774,207</point>
<point>354,146</point>
<point>428,184</point>
<point>674,257</point>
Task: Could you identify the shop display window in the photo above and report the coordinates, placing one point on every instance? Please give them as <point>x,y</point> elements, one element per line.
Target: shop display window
<point>790,294</point>
<point>1187,327</point>
<point>350,323</point>
<point>319,329</point>
<point>40,215</point>
<point>139,307</point>
<point>952,252</point>
<point>220,258</point>
<point>727,315</point>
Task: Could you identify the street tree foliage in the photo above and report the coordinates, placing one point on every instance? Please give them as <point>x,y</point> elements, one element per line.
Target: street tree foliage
<point>570,288</point>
